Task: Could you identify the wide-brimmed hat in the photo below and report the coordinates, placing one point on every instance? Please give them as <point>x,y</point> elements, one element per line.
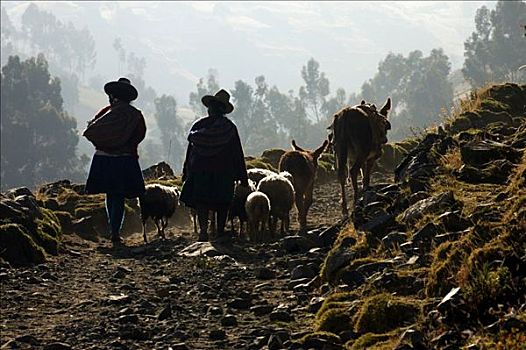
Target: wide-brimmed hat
<point>122,89</point>
<point>222,97</point>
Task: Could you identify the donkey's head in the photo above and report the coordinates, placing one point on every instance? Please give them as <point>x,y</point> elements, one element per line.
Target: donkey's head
<point>379,117</point>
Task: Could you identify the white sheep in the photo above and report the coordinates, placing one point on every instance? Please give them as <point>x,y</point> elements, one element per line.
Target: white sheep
<point>258,174</point>
<point>158,202</point>
<point>237,206</point>
<point>280,192</point>
<point>257,208</point>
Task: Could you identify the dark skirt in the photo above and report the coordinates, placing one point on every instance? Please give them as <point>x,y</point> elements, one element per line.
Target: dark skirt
<point>211,190</point>
<point>116,175</point>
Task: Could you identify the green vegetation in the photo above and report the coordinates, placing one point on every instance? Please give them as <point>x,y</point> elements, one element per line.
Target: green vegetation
<point>384,312</point>
<point>374,341</point>
<point>19,248</point>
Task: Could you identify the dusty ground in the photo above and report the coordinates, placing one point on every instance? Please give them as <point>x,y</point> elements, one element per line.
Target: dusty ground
<point>93,296</point>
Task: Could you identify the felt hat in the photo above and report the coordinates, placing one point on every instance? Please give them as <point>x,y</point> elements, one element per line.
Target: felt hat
<point>222,97</point>
<point>122,89</point>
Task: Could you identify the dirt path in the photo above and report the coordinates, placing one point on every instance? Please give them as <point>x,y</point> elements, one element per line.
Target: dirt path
<point>93,296</point>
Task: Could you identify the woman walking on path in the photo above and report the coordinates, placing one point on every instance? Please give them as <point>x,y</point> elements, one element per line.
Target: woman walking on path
<point>116,132</point>
<point>214,161</point>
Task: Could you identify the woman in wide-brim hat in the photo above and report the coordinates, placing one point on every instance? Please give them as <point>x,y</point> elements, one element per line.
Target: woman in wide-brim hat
<point>116,132</point>
<point>214,161</point>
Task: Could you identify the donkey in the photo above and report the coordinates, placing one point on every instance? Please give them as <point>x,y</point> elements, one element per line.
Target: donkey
<point>357,134</point>
<point>302,164</point>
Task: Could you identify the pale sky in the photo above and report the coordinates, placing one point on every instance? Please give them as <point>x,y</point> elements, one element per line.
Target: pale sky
<point>241,40</point>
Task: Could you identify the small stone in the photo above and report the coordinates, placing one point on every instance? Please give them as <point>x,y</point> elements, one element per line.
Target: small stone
<point>128,319</point>
<point>57,346</point>
<point>281,315</point>
<point>239,303</point>
<point>260,310</point>
<point>179,346</point>
<point>28,339</point>
<point>294,283</point>
<point>229,321</point>
<point>302,271</point>
<point>315,304</point>
<point>118,299</point>
<point>215,310</point>
<point>165,313</point>
<point>217,334</point>
<point>297,244</point>
<point>119,274</point>
<point>264,273</point>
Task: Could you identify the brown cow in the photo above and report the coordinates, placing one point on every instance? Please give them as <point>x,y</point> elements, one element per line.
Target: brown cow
<point>302,164</point>
<point>358,134</point>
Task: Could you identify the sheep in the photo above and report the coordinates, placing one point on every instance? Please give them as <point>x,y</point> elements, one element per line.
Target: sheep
<point>257,174</point>
<point>302,164</point>
<point>280,192</point>
<point>257,208</point>
<point>158,202</point>
<point>237,206</point>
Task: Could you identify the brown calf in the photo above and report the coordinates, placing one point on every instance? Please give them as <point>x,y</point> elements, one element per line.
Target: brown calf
<point>302,164</point>
<point>358,134</point>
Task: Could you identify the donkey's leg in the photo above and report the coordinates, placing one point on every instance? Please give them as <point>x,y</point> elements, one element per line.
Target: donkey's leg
<point>367,173</point>
<point>342,178</point>
<point>300,205</point>
<point>358,164</point>
<point>306,204</point>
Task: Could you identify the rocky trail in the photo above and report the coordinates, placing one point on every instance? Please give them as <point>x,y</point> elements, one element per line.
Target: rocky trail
<point>145,296</point>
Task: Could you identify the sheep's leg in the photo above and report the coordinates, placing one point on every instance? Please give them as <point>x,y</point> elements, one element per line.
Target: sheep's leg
<point>165,224</point>
<point>144,231</point>
<point>158,223</point>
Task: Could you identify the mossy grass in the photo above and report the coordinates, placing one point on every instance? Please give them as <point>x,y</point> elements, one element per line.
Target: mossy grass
<point>18,247</point>
<point>386,341</point>
<point>336,313</point>
<point>259,163</point>
<point>384,312</point>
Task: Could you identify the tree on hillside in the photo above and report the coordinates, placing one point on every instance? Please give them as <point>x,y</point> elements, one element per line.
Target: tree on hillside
<point>172,132</point>
<point>316,88</point>
<point>38,138</point>
<point>418,86</point>
<point>242,98</point>
<point>334,104</point>
<point>497,47</point>
<point>210,88</point>
<point>69,48</point>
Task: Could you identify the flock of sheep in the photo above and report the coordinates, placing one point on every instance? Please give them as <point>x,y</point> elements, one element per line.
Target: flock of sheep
<point>269,197</point>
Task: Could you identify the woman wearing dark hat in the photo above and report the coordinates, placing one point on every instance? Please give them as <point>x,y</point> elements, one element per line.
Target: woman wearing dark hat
<point>214,161</point>
<point>116,132</point>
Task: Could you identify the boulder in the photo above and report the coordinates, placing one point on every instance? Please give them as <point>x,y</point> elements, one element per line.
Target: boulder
<point>434,205</point>
<point>17,246</point>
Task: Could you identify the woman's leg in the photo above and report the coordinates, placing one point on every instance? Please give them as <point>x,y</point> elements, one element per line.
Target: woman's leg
<point>115,208</point>
<point>202,217</point>
<point>221,220</point>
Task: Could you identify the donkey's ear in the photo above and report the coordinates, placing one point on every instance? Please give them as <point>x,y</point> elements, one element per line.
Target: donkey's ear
<point>363,102</point>
<point>316,154</point>
<point>386,108</point>
<point>296,147</point>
